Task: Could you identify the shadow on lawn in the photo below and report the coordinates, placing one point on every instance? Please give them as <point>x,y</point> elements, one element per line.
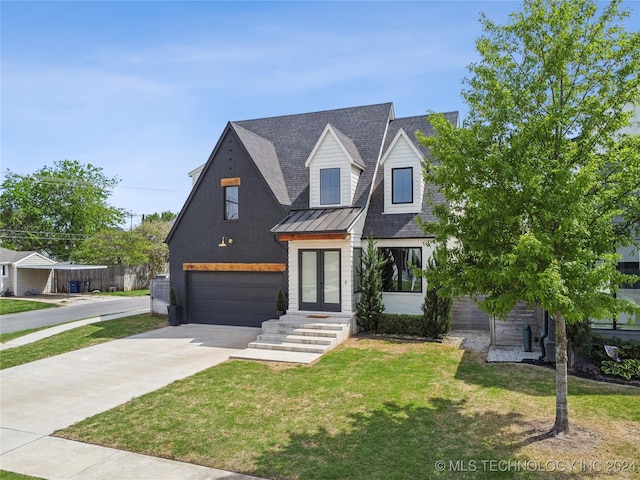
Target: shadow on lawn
<point>400,442</point>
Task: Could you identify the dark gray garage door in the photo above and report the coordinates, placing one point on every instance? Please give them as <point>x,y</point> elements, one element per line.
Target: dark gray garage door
<point>233,298</point>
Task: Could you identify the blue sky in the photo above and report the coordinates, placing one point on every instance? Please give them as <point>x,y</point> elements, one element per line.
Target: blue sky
<point>144,89</point>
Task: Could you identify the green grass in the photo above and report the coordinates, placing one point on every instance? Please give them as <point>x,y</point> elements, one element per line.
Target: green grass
<point>4,475</point>
<point>80,337</point>
<point>370,410</point>
<point>8,305</point>
<point>5,337</point>
<point>131,293</point>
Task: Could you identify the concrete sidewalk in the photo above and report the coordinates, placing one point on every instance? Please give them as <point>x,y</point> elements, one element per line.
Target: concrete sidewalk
<point>50,331</point>
<point>41,397</point>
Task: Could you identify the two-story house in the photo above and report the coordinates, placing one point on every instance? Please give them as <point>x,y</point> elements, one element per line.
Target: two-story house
<point>289,202</point>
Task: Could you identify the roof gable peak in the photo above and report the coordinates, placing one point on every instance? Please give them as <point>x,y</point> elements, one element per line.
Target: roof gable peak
<point>347,146</point>
<point>402,134</point>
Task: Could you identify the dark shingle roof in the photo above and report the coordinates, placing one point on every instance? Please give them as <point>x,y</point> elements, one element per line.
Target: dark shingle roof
<point>401,225</point>
<point>294,137</point>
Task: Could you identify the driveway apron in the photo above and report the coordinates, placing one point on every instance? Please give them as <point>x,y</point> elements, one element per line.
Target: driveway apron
<point>41,397</point>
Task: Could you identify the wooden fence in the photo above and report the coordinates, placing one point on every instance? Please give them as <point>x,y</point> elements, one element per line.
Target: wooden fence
<point>118,277</point>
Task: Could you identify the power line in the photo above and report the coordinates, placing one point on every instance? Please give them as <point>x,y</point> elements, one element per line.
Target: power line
<point>27,234</point>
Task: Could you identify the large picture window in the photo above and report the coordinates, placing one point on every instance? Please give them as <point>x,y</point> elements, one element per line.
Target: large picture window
<point>629,264</point>
<point>231,210</point>
<point>329,186</point>
<point>398,272</point>
<point>402,185</point>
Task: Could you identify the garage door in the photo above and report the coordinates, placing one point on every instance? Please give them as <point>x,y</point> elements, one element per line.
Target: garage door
<point>233,298</point>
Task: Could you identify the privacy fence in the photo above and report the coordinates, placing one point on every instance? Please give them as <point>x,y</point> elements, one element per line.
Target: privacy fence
<point>114,278</point>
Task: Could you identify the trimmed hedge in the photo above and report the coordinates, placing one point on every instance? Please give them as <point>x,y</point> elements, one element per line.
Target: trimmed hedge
<point>400,324</point>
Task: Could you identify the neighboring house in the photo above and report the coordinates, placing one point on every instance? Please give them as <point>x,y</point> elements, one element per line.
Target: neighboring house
<point>288,203</point>
<point>25,271</point>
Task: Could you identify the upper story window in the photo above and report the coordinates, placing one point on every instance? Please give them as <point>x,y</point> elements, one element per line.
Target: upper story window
<point>231,210</point>
<point>4,271</point>
<point>402,185</point>
<point>330,186</point>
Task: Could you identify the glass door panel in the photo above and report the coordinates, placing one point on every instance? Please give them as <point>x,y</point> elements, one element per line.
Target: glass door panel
<point>331,285</point>
<point>309,276</point>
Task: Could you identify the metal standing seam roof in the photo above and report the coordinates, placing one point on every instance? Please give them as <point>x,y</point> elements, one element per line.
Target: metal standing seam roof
<point>318,220</point>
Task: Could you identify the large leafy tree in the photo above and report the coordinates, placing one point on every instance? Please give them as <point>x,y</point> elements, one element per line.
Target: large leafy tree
<point>142,246</point>
<point>56,208</point>
<point>540,186</point>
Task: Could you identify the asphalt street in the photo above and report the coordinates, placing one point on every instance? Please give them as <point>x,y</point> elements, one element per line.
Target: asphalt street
<point>77,311</point>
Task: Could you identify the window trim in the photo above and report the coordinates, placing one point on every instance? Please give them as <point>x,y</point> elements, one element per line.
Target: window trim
<point>393,186</point>
<point>330,169</point>
<point>228,201</point>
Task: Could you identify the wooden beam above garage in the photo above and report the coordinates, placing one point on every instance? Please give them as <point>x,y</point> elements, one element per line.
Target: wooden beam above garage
<point>234,267</point>
<point>287,237</point>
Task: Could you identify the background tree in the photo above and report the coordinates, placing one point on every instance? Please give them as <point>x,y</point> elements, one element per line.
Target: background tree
<point>142,246</point>
<point>114,247</point>
<point>166,216</point>
<point>155,229</point>
<point>370,305</point>
<point>56,208</point>
<point>541,188</point>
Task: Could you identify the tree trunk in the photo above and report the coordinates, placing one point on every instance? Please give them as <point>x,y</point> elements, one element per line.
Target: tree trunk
<point>561,427</point>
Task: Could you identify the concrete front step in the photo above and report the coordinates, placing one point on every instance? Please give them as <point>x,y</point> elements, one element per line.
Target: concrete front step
<point>276,356</point>
<point>299,334</point>
<point>289,346</point>
<point>310,332</point>
<point>275,337</point>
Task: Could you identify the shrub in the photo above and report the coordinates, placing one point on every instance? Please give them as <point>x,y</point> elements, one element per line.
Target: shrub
<point>436,319</point>
<point>627,349</point>
<point>627,368</point>
<point>400,324</point>
<point>370,305</point>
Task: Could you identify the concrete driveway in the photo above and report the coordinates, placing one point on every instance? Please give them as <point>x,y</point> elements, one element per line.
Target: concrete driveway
<point>43,396</point>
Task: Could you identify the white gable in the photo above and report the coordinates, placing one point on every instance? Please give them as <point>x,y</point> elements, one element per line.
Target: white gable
<point>332,152</point>
<point>403,154</point>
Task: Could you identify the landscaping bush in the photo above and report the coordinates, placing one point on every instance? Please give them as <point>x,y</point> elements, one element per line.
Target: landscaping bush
<point>627,349</point>
<point>627,368</point>
<point>436,319</point>
<point>370,306</point>
<point>400,324</point>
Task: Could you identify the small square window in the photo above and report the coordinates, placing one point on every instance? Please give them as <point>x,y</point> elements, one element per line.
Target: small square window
<point>231,210</point>
<point>329,186</point>
<point>402,185</point>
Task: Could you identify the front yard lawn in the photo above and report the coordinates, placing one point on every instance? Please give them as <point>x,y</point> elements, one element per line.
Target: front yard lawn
<point>80,337</point>
<point>374,409</point>
<point>8,305</point>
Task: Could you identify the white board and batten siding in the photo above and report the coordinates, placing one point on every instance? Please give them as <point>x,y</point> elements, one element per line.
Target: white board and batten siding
<point>402,154</point>
<point>328,153</point>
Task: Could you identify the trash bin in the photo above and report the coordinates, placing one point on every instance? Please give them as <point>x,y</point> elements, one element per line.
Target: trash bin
<point>74,286</point>
<point>84,286</point>
<point>526,337</point>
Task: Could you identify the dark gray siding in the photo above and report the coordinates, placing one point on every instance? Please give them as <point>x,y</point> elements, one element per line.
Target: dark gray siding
<point>201,223</point>
<point>233,298</point>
